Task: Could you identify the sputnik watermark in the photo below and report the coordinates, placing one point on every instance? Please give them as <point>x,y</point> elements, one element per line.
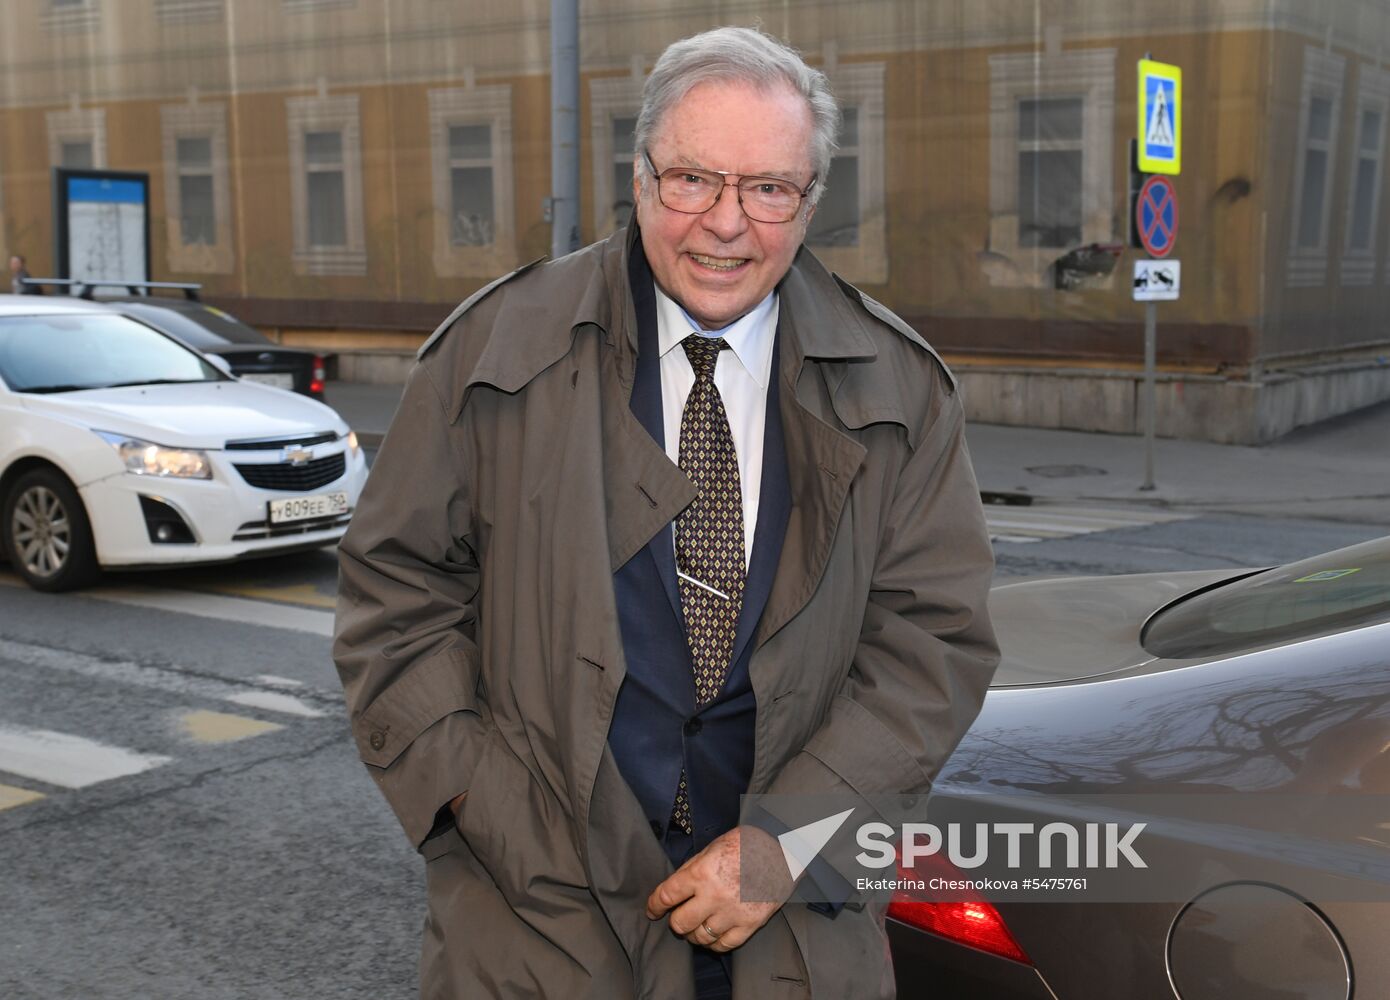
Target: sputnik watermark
<point>880,845</point>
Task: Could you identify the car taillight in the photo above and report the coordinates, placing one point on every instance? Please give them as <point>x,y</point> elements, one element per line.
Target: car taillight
<point>320,373</point>
<point>971,922</point>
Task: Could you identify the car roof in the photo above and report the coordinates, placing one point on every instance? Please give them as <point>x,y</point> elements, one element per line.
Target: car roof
<point>46,305</point>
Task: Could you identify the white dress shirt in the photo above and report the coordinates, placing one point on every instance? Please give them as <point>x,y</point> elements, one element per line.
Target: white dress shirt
<point>741,375</point>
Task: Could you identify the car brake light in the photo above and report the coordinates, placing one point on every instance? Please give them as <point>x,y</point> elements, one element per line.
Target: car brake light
<point>971,922</point>
<point>320,373</point>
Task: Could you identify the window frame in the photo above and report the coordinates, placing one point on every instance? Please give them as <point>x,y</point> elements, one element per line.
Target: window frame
<point>77,125</point>
<point>197,121</point>
<point>1324,75</point>
<point>859,85</point>
<point>1358,264</point>
<point>489,105</point>
<point>610,98</point>
<point>1085,73</point>
<point>340,113</point>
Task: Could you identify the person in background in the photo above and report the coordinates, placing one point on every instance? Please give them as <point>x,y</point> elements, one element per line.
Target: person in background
<point>19,278</point>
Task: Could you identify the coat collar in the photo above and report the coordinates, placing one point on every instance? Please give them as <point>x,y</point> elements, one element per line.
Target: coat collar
<point>508,363</point>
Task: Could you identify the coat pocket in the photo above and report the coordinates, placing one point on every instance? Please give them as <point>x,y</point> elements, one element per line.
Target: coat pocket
<point>518,830</point>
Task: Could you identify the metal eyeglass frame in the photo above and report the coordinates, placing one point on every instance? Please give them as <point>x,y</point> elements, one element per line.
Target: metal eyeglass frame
<point>801,192</point>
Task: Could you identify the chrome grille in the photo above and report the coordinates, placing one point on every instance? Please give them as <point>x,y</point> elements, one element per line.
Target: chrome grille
<point>295,478</point>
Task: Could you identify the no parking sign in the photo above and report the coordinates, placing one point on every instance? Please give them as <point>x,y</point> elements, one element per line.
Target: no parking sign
<point>1156,216</point>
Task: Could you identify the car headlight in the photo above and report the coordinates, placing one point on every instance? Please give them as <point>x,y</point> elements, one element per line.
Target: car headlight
<point>353,446</point>
<point>144,458</point>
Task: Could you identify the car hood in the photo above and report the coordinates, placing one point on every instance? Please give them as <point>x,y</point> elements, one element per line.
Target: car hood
<point>193,415</point>
<point>1055,631</point>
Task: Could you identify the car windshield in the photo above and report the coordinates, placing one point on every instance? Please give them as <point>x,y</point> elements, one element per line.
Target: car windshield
<point>63,353</point>
<point>199,326</point>
<point>1329,593</point>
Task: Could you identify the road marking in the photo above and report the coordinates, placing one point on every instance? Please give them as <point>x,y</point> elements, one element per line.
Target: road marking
<point>270,680</point>
<point>66,760</point>
<point>220,727</point>
<point>10,796</point>
<point>232,609</point>
<point>1042,522</point>
<point>165,679</point>
<point>274,701</point>
<point>300,593</point>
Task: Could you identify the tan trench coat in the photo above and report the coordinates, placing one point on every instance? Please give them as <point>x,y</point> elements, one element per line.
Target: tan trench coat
<point>478,638</point>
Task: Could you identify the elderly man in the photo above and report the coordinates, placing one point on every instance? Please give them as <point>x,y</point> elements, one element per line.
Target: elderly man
<point>673,519</point>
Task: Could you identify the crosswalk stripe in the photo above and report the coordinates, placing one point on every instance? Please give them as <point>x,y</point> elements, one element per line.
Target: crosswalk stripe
<point>1043,522</point>
<point>68,761</point>
<point>10,796</point>
<point>166,680</point>
<point>242,610</point>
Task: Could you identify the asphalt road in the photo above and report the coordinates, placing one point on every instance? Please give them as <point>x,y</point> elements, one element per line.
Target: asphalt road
<point>182,813</point>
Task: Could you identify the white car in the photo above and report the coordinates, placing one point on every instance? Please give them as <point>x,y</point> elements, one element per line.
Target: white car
<point>121,448</point>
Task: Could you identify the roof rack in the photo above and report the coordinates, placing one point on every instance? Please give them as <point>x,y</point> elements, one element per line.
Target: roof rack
<point>190,290</point>
<point>59,282</point>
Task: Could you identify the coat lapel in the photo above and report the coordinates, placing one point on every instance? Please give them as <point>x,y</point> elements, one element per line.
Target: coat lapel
<point>821,338</point>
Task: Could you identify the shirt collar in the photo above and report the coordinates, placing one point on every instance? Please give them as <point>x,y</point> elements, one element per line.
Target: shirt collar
<point>750,337</point>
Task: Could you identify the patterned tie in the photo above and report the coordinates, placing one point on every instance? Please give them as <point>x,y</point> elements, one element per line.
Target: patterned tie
<point>709,537</point>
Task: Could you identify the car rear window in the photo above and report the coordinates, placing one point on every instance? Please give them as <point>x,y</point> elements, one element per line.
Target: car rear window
<point>66,352</point>
<point>1328,593</point>
<point>204,327</point>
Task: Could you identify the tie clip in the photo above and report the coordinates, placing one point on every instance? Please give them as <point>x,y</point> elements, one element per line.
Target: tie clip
<point>690,579</point>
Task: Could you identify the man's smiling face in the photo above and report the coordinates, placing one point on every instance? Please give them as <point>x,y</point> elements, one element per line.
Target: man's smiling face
<point>720,264</point>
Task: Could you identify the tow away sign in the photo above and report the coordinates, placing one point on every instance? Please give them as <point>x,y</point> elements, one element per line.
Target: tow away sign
<point>1156,280</point>
<point>1160,118</point>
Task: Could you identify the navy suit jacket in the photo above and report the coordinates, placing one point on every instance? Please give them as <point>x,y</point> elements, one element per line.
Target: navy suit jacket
<point>656,729</point>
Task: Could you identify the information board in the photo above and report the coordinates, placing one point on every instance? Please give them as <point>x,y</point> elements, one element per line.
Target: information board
<point>102,225</point>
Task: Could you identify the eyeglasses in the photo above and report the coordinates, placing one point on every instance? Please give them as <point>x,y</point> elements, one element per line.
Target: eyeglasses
<point>694,192</point>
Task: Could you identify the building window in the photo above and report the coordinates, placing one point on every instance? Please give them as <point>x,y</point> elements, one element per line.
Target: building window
<point>836,222</point>
<point>1049,171</point>
<point>1313,170</point>
<point>70,15</point>
<point>471,150</point>
<point>1363,206</point>
<point>849,230</point>
<point>327,189</point>
<point>1052,172</point>
<point>472,211</point>
<point>613,106</point>
<point>326,185</point>
<point>624,131</point>
<point>197,192</point>
<point>197,222</point>
<point>77,138</point>
<point>188,11</point>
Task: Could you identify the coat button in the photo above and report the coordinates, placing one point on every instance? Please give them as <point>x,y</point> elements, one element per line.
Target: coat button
<point>693,726</point>
<point>377,740</point>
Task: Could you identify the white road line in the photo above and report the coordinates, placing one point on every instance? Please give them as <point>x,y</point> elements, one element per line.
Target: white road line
<point>232,609</point>
<point>68,761</point>
<point>162,679</point>
<point>1043,522</point>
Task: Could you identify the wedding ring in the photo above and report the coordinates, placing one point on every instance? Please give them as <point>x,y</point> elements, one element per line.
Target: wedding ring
<point>713,936</point>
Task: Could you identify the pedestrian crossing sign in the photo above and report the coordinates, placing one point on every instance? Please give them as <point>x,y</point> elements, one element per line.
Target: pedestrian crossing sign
<point>1160,118</point>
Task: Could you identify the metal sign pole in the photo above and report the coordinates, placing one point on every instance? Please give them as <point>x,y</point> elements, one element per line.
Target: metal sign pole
<point>1150,360</point>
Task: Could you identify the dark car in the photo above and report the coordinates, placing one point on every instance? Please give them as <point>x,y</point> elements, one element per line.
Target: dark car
<point>1259,701</point>
<point>208,329</point>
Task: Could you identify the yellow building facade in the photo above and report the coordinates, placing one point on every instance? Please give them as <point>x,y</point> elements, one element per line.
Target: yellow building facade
<point>342,172</point>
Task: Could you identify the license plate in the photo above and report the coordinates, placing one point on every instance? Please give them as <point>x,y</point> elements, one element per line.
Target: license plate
<point>305,508</point>
<point>280,380</point>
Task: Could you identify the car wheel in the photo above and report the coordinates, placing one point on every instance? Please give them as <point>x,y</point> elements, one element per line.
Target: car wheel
<point>46,532</point>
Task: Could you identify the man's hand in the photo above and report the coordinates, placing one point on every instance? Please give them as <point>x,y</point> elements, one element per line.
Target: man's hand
<point>705,896</point>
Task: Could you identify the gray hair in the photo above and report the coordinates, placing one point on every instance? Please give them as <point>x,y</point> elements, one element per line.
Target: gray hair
<point>740,55</point>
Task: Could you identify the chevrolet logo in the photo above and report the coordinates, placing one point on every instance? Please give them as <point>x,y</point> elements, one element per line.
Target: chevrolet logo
<point>296,456</point>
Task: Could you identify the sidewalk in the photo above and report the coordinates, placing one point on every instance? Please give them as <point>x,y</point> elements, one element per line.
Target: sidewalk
<point>1337,470</point>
